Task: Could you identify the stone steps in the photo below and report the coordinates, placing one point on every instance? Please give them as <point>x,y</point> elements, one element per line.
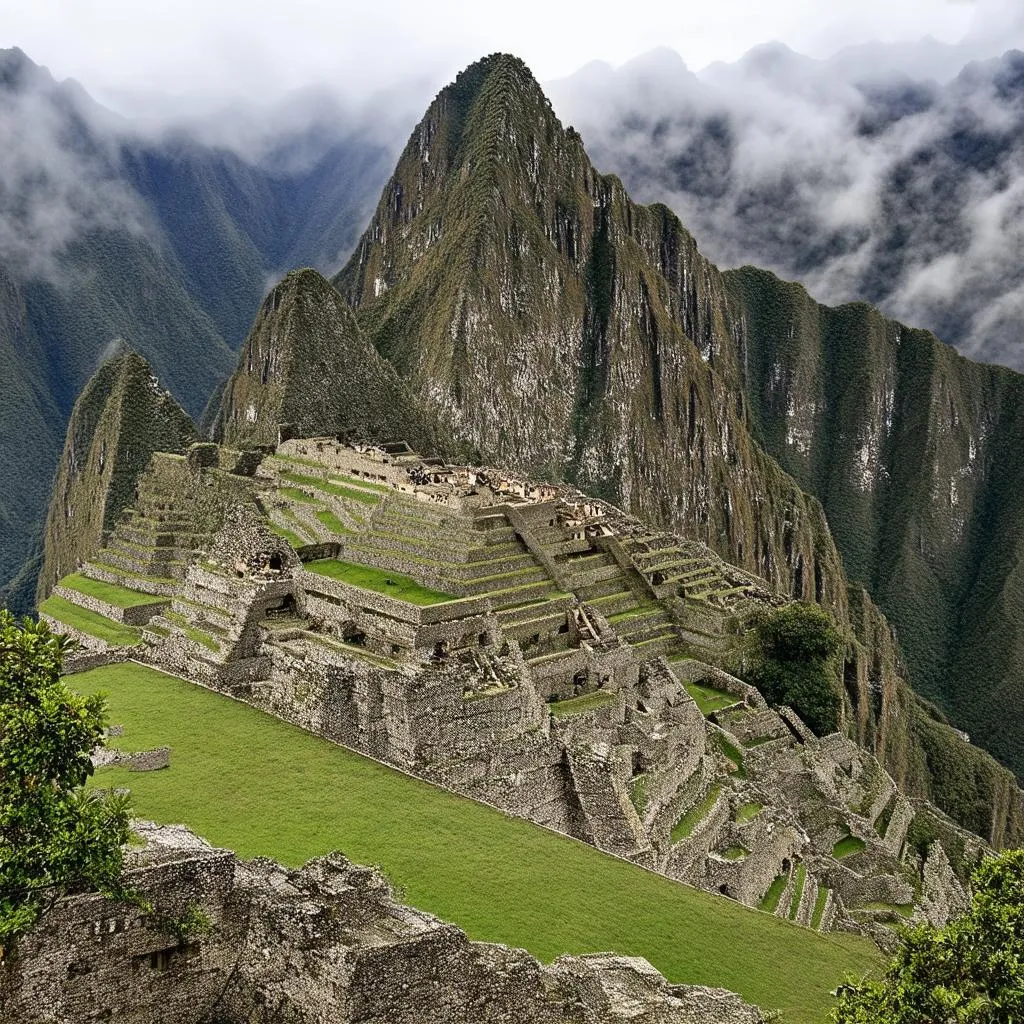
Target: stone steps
<point>665,643</point>
<point>560,603</point>
<point>502,581</point>
<point>167,587</point>
<point>542,624</point>
<point>616,603</point>
<point>503,598</point>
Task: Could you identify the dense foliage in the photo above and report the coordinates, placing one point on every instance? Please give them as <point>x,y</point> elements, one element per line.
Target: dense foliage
<point>970,972</point>
<point>790,658</point>
<point>55,838</point>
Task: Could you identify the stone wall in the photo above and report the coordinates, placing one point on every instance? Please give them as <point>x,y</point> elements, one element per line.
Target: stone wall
<point>326,944</point>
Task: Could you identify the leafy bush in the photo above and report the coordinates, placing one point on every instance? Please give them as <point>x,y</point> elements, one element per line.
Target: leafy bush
<point>55,838</point>
<point>790,657</point>
<point>969,972</point>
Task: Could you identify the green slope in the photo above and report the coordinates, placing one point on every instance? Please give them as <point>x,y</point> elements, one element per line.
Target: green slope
<point>499,878</point>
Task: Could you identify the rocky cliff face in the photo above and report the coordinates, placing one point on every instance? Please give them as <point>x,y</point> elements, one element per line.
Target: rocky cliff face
<point>561,329</point>
<point>306,370</point>
<point>121,418</point>
<point>918,457</point>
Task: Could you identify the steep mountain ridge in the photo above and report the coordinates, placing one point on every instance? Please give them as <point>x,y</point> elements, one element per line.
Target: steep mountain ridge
<point>562,330</point>
<point>306,370</point>
<point>121,418</point>
<point>916,454</point>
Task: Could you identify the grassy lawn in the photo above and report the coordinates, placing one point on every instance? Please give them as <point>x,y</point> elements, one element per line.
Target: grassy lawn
<point>257,785</point>
<point>819,906</point>
<point>113,594</point>
<point>116,633</point>
<point>384,582</point>
<point>577,705</point>
<point>708,699</point>
<point>747,812</point>
<point>847,847</point>
<point>325,487</point>
<point>293,538</point>
<point>733,753</point>
<point>688,822</point>
<point>798,891</point>
<point>331,521</point>
<point>770,900</point>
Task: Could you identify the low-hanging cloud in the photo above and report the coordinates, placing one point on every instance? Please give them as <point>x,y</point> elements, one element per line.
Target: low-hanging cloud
<point>59,175</point>
<point>857,179</point>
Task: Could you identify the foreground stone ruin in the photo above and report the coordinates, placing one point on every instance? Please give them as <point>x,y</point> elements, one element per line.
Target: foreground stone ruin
<point>327,943</point>
<point>554,658</point>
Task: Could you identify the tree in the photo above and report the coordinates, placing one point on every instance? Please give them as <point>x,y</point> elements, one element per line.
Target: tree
<point>56,838</point>
<point>790,658</point>
<point>969,972</point>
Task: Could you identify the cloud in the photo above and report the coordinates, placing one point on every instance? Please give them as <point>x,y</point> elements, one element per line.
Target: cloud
<point>58,171</point>
<point>865,185</point>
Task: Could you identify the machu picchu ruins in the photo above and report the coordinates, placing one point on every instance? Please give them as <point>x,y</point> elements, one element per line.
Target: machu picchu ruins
<point>515,642</point>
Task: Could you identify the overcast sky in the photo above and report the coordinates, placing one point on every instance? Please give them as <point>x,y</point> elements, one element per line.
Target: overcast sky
<point>139,54</point>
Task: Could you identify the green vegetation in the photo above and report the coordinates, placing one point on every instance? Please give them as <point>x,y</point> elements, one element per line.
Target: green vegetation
<point>578,705</point>
<point>113,594</point>
<point>293,538</point>
<point>331,521</point>
<point>296,495</point>
<point>500,878</point>
<point>638,793</point>
<point>791,656</point>
<point>798,890</point>
<point>819,907</point>
<point>969,972</point>
<point>733,753</point>
<point>326,487</point>
<point>770,900</point>
<point>115,633</point>
<point>883,819</point>
<point>55,837</point>
<point>708,698</point>
<point>747,812</point>
<point>383,582</point>
<point>689,821</point>
<point>847,847</point>
<point>735,853</point>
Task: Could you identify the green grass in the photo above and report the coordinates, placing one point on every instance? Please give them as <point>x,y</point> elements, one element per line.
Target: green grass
<point>499,878</point>
<point>121,597</point>
<point>638,793</point>
<point>847,847</point>
<point>295,494</point>
<point>382,581</point>
<point>331,521</point>
<point>735,853</point>
<point>99,626</point>
<point>325,487</point>
<point>798,891</point>
<point>819,907</point>
<point>770,900</point>
<point>689,821</point>
<point>747,812</point>
<point>883,819</point>
<point>577,705</point>
<point>293,538</point>
<point>708,699</point>
<point>733,753</point>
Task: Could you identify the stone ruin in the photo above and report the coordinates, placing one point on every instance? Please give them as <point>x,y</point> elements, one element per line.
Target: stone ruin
<point>327,944</point>
<point>554,674</point>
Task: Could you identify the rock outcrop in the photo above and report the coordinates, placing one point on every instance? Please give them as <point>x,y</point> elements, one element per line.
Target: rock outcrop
<point>324,943</point>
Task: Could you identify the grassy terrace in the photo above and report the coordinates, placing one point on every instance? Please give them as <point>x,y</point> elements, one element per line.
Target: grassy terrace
<point>116,633</point>
<point>499,878</point>
<point>577,705</point>
<point>847,847</point>
<point>326,487</point>
<point>113,594</point>
<point>383,582</point>
<point>708,699</point>
<point>689,821</point>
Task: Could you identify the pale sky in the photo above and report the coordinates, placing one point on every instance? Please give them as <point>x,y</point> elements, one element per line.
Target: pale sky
<point>130,53</point>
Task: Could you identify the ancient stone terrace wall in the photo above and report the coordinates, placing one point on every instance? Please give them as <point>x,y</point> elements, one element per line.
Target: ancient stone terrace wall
<point>323,945</point>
